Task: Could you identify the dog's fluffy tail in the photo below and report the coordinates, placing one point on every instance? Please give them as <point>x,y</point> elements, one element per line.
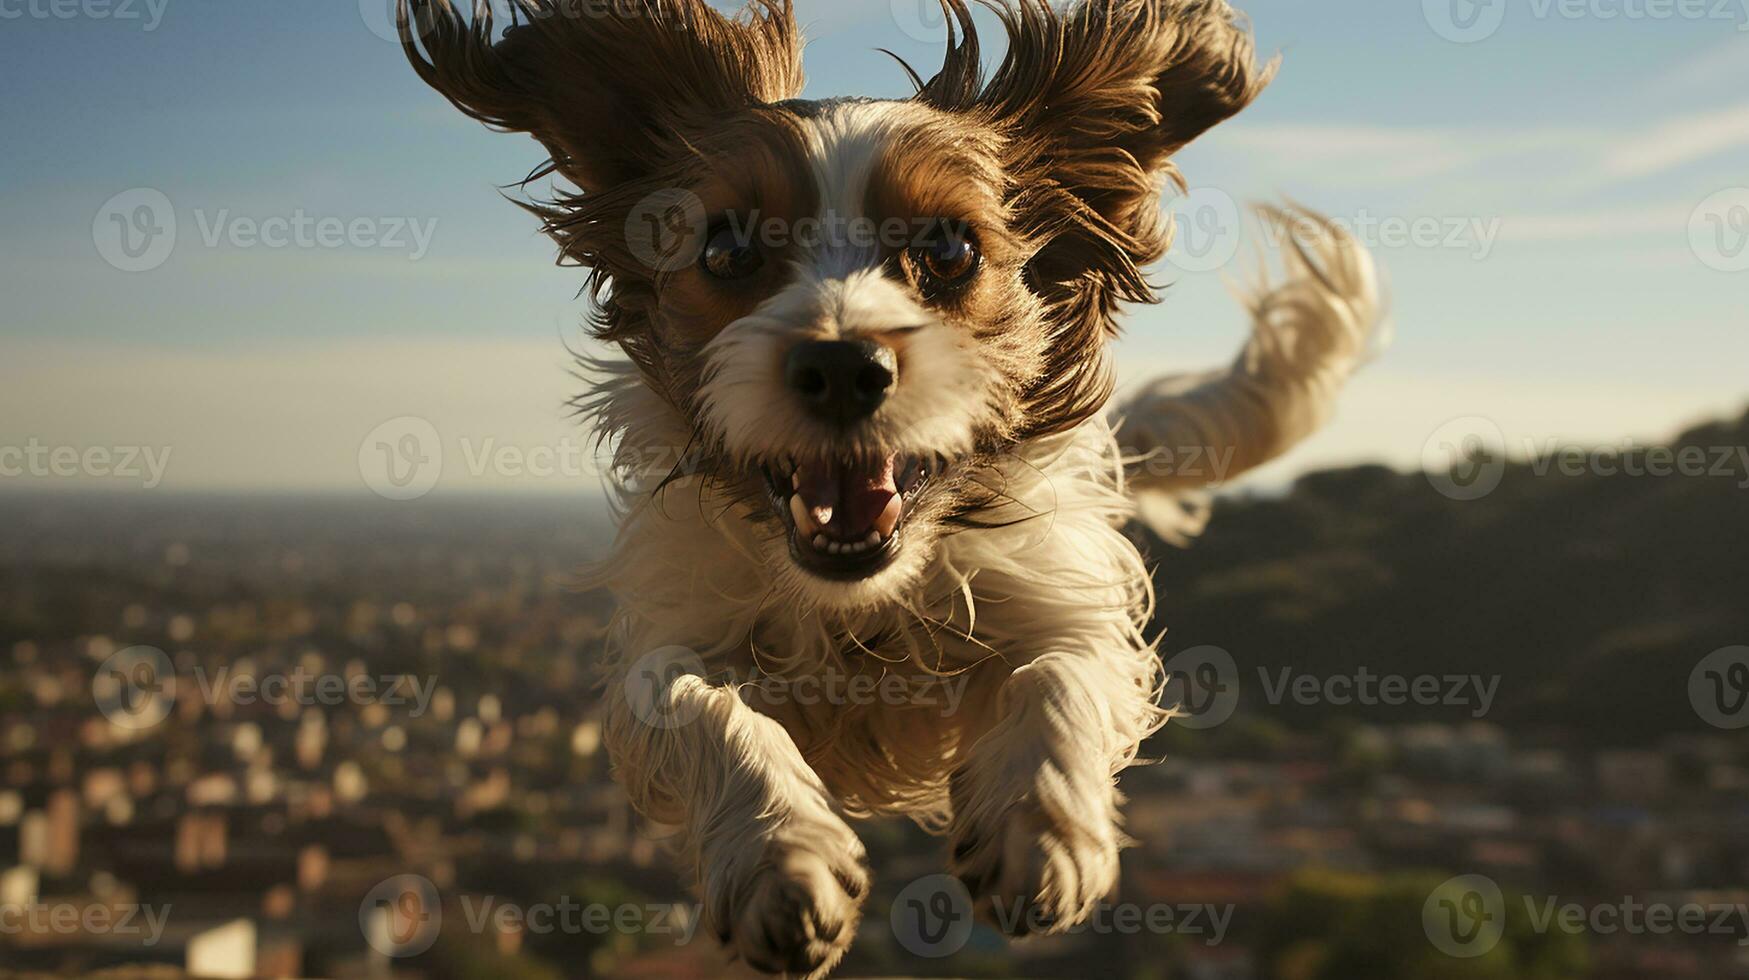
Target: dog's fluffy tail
<point>1185,434</point>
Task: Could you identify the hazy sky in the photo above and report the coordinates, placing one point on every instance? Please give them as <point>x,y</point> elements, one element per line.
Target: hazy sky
<point>1573,173</point>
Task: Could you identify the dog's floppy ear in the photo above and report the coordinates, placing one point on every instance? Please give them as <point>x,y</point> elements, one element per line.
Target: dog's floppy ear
<point>1094,101</point>
<point>608,88</point>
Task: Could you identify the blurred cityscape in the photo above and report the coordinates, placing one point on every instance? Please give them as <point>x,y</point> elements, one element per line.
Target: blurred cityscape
<point>378,754</point>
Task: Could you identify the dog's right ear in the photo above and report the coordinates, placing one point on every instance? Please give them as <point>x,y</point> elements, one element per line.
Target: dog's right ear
<point>610,89</point>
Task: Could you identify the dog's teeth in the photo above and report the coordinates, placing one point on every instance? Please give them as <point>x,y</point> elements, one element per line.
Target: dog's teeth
<point>889,518</point>
<point>795,480</point>
<point>874,538</point>
<point>820,542</point>
<point>798,510</point>
<point>822,515</point>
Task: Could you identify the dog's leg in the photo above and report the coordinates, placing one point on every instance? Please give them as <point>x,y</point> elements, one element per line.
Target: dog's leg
<point>1035,824</point>
<point>781,875</point>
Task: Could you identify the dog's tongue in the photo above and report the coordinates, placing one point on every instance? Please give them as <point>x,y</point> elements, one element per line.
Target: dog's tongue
<point>850,500</point>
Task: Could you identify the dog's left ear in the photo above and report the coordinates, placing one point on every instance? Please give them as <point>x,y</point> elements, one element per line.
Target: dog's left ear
<point>611,87</point>
<point>1094,101</point>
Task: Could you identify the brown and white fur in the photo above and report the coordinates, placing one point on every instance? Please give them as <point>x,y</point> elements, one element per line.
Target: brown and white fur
<point>1002,568</point>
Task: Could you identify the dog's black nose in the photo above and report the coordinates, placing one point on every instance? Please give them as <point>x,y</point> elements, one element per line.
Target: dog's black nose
<point>842,381</point>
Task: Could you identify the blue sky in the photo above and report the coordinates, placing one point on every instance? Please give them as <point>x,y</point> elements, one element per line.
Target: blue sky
<point>1580,161</point>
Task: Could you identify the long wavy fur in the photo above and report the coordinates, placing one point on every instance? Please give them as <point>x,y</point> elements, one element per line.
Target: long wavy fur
<point>1026,605</point>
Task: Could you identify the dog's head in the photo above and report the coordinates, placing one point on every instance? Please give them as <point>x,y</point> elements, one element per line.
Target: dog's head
<point>855,305</point>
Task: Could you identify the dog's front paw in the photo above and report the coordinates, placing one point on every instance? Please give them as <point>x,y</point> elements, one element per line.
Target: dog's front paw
<point>794,909</point>
<point>1030,872</point>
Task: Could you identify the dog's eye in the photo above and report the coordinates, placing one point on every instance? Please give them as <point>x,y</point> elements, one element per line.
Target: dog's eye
<point>728,256</point>
<point>948,256</point>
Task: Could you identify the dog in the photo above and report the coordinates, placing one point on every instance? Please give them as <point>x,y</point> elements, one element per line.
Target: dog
<point>862,422</point>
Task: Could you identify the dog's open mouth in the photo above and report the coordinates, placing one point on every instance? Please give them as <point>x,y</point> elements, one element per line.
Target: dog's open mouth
<point>845,517</point>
